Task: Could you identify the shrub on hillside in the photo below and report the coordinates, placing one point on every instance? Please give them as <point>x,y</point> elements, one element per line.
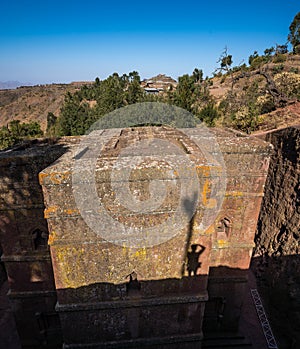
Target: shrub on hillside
<point>258,61</point>
<point>279,58</point>
<point>265,104</point>
<point>17,131</point>
<point>288,84</point>
<point>209,114</point>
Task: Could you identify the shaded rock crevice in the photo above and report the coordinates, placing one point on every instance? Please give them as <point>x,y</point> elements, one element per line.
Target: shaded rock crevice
<point>276,259</point>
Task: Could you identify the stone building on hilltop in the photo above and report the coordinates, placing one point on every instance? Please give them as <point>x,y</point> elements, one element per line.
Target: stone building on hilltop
<point>159,83</point>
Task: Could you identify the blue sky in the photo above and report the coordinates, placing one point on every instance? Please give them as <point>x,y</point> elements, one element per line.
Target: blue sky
<point>64,41</point>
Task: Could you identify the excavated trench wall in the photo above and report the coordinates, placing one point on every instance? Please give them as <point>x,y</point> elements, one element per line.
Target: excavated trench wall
<point>276,259</point>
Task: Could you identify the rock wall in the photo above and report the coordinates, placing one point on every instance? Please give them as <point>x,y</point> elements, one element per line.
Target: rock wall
<point>276,259</point>
<point>23,242</point>
<point>92,262</point>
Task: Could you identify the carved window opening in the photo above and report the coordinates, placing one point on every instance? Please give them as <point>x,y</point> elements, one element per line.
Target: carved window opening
<point>224,227</point>
<point>40,239</point>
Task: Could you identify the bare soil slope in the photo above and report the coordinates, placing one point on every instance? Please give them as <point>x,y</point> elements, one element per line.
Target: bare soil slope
<point>223,84</point>
<point>33,103</point>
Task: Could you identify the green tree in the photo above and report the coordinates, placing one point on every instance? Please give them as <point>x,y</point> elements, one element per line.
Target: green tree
<point>209,114</point>
<point>281,49</point>
<point>15,128</point>
<point>252,57</point>
<point>225,61</point>
<point>241,109</point>
<point>184,96</point>
<point>258,61</point>
<point>74,116</point>
<point>246,118</point>
<point>269,51</point>
<point>83,108</point>
<point>51,124</point>
<point>7,139</point>
<point>134,76</point>
<point>134,92</point>
<point>197,75</point>
<point>109,95</point>
<point>31,130</point>
<point>294,34</point>
<point>16,131</point>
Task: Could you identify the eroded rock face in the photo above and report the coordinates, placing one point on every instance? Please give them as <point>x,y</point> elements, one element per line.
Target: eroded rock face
<point>169,281</point>
<point>23,244</point>
<point>278,227</point>
<point>129,294</point>
<point>276,259</point>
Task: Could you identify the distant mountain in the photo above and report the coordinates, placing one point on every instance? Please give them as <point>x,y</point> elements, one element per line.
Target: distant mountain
<point>9,85</point>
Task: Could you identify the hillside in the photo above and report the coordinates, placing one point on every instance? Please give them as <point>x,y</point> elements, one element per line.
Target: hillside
<point>272,88</point>
<point>33,103</point>
<point>222,84</point>
<point>280,118</point>
<point>264,84</point>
